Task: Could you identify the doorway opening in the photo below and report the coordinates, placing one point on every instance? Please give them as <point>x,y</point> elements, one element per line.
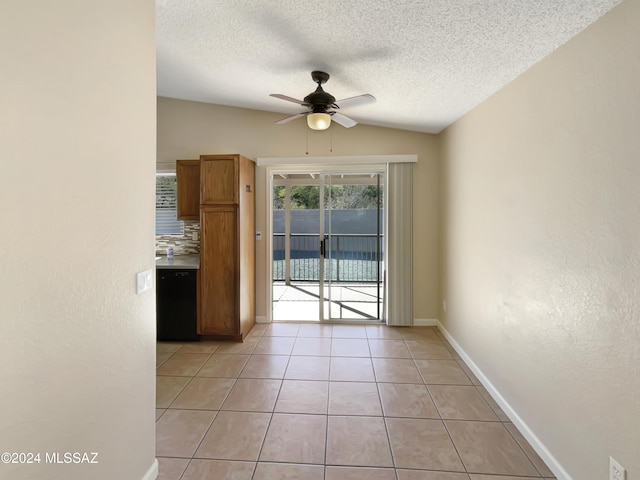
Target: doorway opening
<point>328,244</point>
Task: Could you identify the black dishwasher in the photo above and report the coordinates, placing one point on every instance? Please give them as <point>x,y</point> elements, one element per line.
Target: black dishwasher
<point>176,307</point>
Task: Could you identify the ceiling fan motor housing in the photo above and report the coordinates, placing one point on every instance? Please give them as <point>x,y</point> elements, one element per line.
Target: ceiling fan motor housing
<point>319,100</point>
<point>319,103</point>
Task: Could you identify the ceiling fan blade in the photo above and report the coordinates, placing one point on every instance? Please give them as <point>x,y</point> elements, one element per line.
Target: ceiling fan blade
<point>292,117</point>
<point>288,99</point>
<point>343,120</point>
<point>358,100</point>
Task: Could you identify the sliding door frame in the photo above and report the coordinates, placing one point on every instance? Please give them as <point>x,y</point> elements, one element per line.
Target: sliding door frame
<point>351,164</point>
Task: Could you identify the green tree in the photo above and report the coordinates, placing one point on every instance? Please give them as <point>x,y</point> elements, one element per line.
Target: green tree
<point>305,197</point>
<point>278,197</point>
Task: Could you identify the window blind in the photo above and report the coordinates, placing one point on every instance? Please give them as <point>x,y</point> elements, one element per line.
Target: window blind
<point>400,244</point>
<point>167,206</point>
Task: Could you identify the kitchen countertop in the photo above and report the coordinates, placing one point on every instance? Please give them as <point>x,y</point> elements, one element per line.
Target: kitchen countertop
<point>179,262</point>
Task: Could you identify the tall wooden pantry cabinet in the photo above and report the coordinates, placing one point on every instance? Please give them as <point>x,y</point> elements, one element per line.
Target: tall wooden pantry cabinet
<point>227,246</point>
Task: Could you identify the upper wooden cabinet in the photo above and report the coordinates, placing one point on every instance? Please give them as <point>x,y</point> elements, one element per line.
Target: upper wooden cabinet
<point>188,186</point>
<point>219,175</point>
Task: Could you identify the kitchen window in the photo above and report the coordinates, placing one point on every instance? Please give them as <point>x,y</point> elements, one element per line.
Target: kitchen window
<point>167,222</point>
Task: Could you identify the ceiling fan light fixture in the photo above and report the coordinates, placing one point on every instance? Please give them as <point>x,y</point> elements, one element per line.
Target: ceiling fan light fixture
<point>318,121</point>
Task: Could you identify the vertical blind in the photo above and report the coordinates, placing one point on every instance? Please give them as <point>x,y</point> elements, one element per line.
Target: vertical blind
<point>400,244</point>
<point>167,206</point>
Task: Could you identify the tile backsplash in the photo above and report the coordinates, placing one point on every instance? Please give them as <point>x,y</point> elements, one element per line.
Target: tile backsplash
<point>182,244</point>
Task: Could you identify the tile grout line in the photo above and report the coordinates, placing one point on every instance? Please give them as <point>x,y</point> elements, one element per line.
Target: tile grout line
<point>326,434</point>
<point>188,383</point>
<point>440,415</point>
<point>272,413</point>
<point>522,449</point>
<point>386,429</point>
<point>185,469</point>
<point>444,424</point>
<point>217,412</point>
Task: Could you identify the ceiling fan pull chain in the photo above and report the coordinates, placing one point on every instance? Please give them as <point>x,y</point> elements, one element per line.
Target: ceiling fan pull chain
<point>307,130</point>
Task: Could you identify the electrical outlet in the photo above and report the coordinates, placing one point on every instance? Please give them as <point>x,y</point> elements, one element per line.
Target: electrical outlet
<point>616,471</point>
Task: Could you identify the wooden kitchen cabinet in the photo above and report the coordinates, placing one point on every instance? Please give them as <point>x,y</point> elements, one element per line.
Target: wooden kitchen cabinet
<point>219,179</point>
<point>188,189</point>
<point>227,248</point>
<point>219,270</point>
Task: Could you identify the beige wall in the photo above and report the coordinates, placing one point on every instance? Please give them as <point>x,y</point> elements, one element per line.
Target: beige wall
<point>189,129</point>
<point>541,242</point>
<point>77,346</point>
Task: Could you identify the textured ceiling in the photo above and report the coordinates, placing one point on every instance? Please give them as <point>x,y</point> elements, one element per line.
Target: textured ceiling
<point>427,62</point>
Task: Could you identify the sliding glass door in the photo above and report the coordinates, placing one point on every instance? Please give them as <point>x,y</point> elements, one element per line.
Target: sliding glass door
<point>328,246</point>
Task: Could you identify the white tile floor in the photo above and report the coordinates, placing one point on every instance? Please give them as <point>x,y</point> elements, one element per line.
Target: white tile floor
<point>331,402</point>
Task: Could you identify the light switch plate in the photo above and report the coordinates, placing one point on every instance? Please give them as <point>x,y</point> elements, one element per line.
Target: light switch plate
<point>144,281</point>
<point>616,471</point>
<point>258,235</point>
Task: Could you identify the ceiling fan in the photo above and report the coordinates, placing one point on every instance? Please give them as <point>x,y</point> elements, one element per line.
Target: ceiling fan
<point>322,105</point>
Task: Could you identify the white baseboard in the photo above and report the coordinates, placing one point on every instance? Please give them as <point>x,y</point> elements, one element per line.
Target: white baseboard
<point>425,322</point>
<point>261,320</point>
<point>152,473</point>
<point>534,441</point>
